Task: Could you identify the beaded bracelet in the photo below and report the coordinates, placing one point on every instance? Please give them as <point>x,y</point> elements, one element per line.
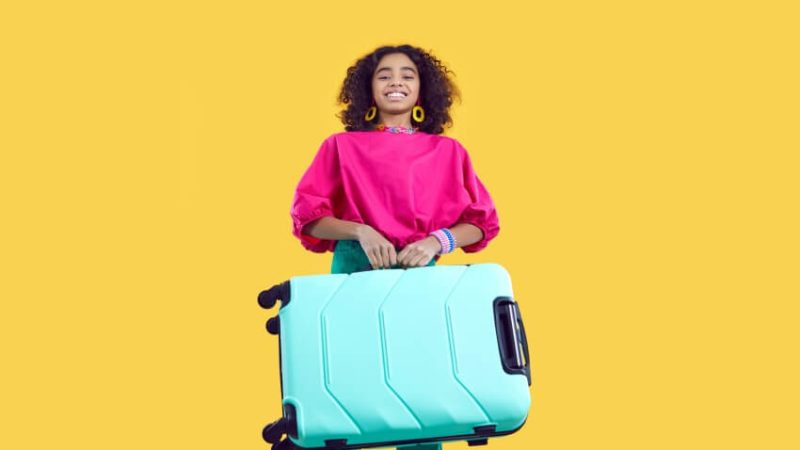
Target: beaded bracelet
<point>446,240</point>
<point>443,241</point>
<point>451,238</point>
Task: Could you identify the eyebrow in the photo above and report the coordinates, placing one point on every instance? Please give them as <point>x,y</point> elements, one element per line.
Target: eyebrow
<point>402,68</point>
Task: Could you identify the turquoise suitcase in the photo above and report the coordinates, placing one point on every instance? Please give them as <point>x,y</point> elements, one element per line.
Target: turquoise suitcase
<point>399,357</point>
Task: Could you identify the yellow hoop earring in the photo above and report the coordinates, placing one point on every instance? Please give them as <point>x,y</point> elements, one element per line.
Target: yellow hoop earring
<point>371,113</point>
<point>418,113</point>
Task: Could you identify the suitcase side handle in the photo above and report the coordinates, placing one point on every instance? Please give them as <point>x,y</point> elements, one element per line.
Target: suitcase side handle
<point>511,338</point>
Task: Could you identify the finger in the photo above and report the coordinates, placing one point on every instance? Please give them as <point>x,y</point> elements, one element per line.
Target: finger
<point>401,257</point>
<point>376,252</point>
<point>393,256</point>
<point>425,260</point>
<point>422,258</point>
<point>385,257</point>
<point>372,261</point>
<point>411,253</point>
<point>414,262</point>
<point>368,253</point>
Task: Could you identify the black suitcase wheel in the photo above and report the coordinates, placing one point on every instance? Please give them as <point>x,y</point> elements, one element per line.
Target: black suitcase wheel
<point>267,299</point>
<point>272,433</point>
<point>274,325</point>
<point>285,444</point>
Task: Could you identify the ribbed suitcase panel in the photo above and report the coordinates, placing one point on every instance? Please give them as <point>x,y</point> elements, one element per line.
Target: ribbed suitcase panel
<point>396,355</point>
<point>418,352</point>
<point>476,357</point>
<point>303,365</point>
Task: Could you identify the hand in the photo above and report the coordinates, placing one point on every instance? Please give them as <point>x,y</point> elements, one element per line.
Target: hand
<point>419,253</point>
<point>379,250</point>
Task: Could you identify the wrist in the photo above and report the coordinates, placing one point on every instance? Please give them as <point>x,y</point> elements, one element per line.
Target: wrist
<point>434,244</point>
<point>358,231</point>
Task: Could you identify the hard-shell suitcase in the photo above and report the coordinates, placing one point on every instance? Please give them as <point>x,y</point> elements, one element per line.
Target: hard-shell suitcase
<point>398,357</point>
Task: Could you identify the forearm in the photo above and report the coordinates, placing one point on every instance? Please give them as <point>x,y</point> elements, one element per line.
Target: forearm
<point>466,234</point>
<point>332,228</point>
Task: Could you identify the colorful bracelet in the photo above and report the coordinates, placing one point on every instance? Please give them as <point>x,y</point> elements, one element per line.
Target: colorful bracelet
<point>451,238</point>
<point>446,240</point>
<point>443,242</point>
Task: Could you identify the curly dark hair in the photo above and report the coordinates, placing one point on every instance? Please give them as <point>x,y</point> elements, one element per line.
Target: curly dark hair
<point>437,89</point>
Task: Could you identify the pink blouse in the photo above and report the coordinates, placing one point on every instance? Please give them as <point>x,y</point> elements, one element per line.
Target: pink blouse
<point>403,185</point>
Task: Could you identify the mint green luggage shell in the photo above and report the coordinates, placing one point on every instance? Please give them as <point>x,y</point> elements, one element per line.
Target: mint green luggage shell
<point>393,356</point>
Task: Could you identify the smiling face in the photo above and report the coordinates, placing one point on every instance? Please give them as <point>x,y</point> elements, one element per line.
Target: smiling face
<point>395,85</point>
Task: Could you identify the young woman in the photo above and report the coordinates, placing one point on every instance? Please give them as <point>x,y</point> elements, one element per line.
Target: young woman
<point>391,191</point>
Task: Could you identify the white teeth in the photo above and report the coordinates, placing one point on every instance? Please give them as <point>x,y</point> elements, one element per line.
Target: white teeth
<point>395,94</point>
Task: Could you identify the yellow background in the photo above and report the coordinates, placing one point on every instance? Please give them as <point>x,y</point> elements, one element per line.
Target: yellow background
<point>642,156</point>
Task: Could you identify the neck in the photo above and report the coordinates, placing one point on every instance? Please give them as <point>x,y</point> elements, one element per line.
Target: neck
<point>395,120</point>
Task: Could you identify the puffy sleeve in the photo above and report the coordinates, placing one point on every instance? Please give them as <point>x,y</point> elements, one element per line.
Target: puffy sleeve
<point>481,211</point>
<point>315,196</point>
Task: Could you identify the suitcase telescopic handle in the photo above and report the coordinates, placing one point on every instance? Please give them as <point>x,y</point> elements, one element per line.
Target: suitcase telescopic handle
<point>511,338</point>
<point>523,341</point>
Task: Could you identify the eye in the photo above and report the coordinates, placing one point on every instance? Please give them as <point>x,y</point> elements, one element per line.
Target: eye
<point>383,78</point>
<point>408,77</point>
